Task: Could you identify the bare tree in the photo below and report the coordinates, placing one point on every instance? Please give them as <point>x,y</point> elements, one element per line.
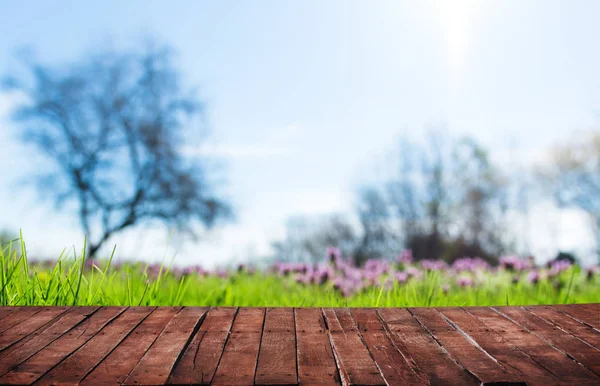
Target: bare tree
<point>418,194</point>
<point>573,178</point>
<point>112,126</point>
<point>379,239</point>
<point>446,196</point>
<point>307,239</point>
<point>481,197</point>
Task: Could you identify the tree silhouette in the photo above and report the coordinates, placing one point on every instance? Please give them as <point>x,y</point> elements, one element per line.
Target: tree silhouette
<point>113,126</point>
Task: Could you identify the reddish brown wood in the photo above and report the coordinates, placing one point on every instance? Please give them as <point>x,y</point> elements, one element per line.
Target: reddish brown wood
<point>199,362</point>
<point>418,346</point>
<point>585,313</point>
<point>29,325</point>
<point>277,356</point>
<point>21,351</point>
<point>392,364</point>
<point>316,364</point>
<point>540,345</point>
<point>238,363</point>
<point>485,368</point>
<point>555,361</point>
<point>14,318</point>
<point>119,363</point>
<point>580,330</point>
<point>585,354</point>
<point>82,361</point>
<point>513,360</point>
<point>37,365</point>
<point>156,365</point>
<point>5,311</point>
<point>352,356</point>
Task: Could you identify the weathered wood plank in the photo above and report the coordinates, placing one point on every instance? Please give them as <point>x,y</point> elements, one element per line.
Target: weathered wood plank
<point>277,356</point>
<point>45,359</point>
<point>547,356</point>
<point>540,345</point>
<point>585,313</point>
<point>74,368</point>
<point>199,362</point>
<point>21,351</point>
<point>238,363</point>
<point>353,358</point>
<point>392,364</point>
<point>157,363</point>
<point>585,354</point>
<point>460,348</point>
<point>119,363</point>
<point>14,318</point>
<point>6,310</point>
<point>316,364</point>
<point>427,357</point>
<point>573,327</point>
<point>29,325</point>
<point>513,360</point>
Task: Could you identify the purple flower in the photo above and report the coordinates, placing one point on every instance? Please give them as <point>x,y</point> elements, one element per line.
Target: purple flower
<point>303,279</point>
<point>222,273</point>
<point>464,281</point>
<point>470,264</point>
<point>413,272</point>
<point>401,277</point>
<point>346,287</point>
<point>187,271</point>
<point>434,265</point>
<point>559,266</point>
<point>406,257</point>
<point>514,263</point>
<point>201,272</point>
<point>533,277</point>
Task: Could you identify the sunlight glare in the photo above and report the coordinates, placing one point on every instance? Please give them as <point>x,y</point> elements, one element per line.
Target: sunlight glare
<point>457,17</point>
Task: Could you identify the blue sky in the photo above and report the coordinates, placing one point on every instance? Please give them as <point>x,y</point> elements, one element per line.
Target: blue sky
<point>305,97</point>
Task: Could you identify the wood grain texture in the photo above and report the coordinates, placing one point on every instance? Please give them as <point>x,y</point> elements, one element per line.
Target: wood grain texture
<point>29,325</point>
<point>157,363</point>
<point>316,364</point>
<point>5,311</point>
<point>508,356</point>
<point>533,345</point>
<point>200,360</point>
<point>277,356</point>
<point>51,355</point>
<point>573,327</point>
<point>119,363</point>
<point>238,363</point>
<point>21,351</point>
<point>74,368</point>
<point>353,358</point>
<point>429,359</point>
<point>585,313</point>
<point>547,356</point>
<point>392,364</point>
<point>14,318</point>
<point>582,352</point>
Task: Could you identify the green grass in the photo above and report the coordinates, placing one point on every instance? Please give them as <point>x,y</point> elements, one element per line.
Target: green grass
<point>68,282</point>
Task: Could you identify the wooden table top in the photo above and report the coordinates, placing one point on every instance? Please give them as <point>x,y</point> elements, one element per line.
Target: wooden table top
<point>533,345</point>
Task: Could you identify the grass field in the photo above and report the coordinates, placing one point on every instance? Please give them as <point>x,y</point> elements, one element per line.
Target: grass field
<point>74,280</point>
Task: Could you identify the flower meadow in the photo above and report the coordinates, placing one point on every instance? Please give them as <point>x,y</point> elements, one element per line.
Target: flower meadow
<point>398,282</point>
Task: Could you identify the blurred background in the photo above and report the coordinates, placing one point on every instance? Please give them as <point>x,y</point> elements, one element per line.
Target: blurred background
<point>249,131</point>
